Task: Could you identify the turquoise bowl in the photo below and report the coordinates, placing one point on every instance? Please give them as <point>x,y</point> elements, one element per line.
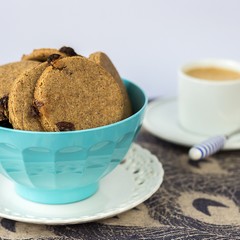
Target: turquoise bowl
<point>64,167</point>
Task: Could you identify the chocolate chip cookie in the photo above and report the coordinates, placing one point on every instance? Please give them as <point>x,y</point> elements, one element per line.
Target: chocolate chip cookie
<point>103,60</point>
<point>75,93</point>
<point>23,113</point>
<point>8,73</point>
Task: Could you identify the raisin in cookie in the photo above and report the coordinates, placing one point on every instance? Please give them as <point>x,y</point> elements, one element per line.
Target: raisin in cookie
<point>8,73</point>
<point>75,93</point>
<point>23,114</point>
<point>103,60</point>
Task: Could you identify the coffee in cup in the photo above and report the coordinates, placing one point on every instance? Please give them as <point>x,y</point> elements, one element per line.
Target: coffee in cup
<point>209,96</point>
<point>213,73</point>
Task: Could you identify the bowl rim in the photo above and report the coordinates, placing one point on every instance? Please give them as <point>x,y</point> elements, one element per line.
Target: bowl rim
<point>90,129</point>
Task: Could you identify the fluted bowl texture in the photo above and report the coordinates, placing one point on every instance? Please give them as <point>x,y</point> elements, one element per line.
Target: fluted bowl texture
<point>64,167</point>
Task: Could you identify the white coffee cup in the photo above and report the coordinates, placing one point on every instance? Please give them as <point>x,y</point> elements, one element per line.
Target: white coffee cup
<point>209,107</point>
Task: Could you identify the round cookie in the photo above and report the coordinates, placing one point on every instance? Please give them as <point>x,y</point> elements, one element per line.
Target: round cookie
<point>75,93</point>
<point>103,60</point>
<point>22,113</point>
<point>8,73</point>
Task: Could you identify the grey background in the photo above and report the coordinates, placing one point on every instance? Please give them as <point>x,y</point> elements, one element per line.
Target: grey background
<point>147,40</point>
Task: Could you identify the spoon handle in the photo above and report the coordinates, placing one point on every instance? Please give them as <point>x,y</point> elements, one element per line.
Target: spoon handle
<point>207,148</point>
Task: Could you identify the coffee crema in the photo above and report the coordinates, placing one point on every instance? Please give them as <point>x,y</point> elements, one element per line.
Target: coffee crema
<point>213,73</point>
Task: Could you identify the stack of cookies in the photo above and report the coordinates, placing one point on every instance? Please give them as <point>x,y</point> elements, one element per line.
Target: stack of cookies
<point>60,90</point>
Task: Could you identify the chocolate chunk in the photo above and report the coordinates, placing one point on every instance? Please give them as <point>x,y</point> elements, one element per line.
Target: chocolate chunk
<point>34,112</point>
<point>65,126</point>
<point>53,58</point>
<point>4,102</point>
<point>2,115</point>
<point>4,107</point>
<point>68,51</point>
<point>6,124</point>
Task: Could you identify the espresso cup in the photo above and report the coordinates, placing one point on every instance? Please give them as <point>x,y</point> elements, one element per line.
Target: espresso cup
<point>209,96</point>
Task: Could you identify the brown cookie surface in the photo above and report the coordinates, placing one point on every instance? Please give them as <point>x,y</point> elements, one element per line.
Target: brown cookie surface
<point>42,54</point>
<point>8,73</point>
<point>103,60</point>
<point>75,93</point>
<point>23,114</point>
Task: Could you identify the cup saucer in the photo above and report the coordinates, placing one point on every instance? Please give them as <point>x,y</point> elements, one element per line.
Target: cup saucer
<point>161,119</point>
<point>136,179</point>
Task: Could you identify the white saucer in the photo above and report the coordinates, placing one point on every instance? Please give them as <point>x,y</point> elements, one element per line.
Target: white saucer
<point>131,183</point>
<point>161,119</point>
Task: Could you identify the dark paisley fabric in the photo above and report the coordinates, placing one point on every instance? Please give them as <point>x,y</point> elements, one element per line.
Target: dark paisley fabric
<point>197,200</point>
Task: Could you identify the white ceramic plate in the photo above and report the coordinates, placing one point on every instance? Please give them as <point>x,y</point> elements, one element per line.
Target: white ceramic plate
<point>161,120</point>
<point>131,183</point>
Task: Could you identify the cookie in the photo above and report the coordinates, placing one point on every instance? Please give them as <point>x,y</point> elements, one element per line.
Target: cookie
<point>103,60</point>
<point>75,93</point>
<point>22,112</point>
<point>42,54</point>
<point>8,73</point>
